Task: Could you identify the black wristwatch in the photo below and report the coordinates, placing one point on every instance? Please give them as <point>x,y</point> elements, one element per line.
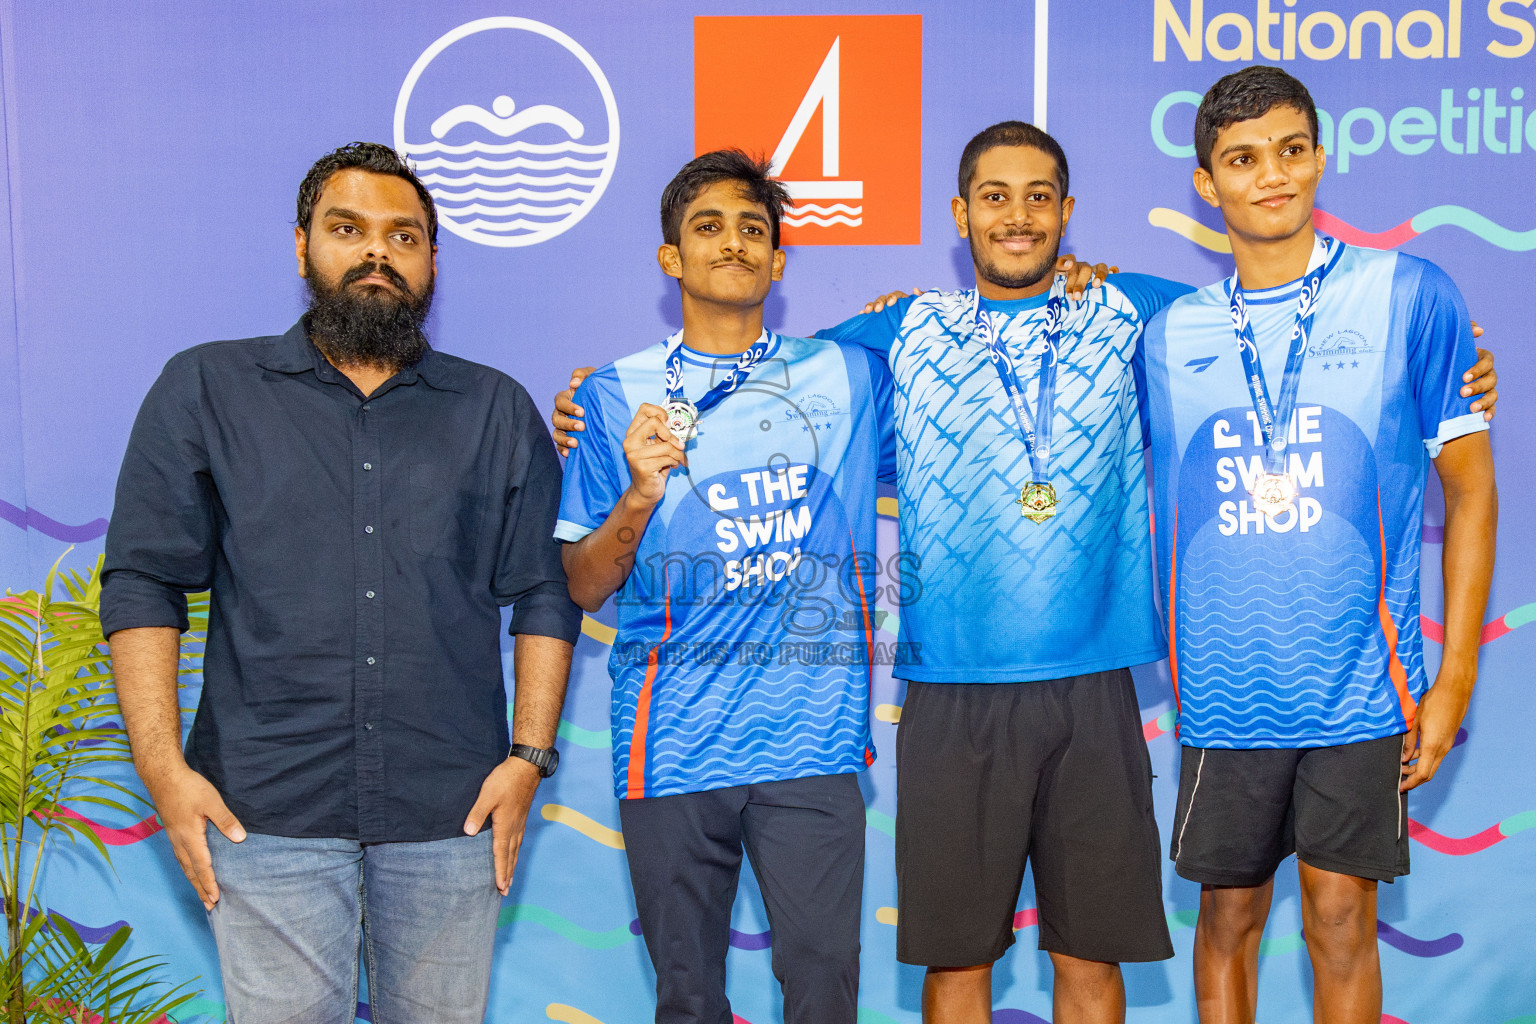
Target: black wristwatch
<point>545,759</point>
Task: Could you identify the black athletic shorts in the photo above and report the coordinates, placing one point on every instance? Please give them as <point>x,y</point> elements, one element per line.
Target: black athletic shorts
<point>1055,772</point>
<point>1241,812</point>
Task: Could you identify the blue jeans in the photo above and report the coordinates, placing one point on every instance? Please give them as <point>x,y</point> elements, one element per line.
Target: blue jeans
<point>292,914</point>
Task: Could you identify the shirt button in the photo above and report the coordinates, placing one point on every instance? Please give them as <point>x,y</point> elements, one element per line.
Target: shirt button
<point>367,465</point>
<point>367,725</point>
<point>369,595</point>
<point>367,529</point>
<point>367,407</point>
<point>370,661</point>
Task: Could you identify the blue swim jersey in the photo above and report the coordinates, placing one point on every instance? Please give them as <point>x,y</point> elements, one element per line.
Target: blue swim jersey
<point>746,628</point>
<point>993,596</point>
<point>1302,630</point>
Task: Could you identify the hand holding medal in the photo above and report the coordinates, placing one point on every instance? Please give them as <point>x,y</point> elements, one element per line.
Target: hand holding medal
<point>658,437</point>
<point>682,416</point>
<point>652,452</point>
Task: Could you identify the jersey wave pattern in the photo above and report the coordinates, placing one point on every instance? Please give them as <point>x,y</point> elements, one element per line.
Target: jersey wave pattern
<point>1302,629</point>
<point>746,626</point>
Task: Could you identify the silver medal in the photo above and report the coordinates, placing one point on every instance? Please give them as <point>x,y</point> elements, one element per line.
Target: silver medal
<point>682,419</point>
<point>1274,493</point>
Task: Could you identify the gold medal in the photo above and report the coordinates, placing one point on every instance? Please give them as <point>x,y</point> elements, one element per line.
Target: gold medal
<point>1038,501</point>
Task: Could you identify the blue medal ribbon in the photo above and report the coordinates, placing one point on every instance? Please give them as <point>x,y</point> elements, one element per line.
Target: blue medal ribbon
<point>1034,431</point>
<point>733,380</point>
<point>1275,417</point>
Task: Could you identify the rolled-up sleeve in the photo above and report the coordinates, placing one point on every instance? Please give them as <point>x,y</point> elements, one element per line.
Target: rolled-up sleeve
<point>529,575</point>
<point>161,540</point>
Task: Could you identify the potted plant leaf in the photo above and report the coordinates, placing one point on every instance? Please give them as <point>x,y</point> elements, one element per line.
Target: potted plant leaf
<point>60,735</point>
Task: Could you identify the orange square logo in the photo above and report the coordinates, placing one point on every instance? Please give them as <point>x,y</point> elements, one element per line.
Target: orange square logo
<point>837,102</point>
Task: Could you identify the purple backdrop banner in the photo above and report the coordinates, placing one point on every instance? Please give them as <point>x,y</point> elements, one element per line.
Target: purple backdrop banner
<point>152,153</point>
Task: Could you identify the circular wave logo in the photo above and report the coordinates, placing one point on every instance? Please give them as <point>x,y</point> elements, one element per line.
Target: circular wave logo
<point>512,127</point>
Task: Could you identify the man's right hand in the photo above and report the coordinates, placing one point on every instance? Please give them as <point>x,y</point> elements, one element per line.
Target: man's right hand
<point>186,802</point>
<point>567,417</point>
<point>652,453</point>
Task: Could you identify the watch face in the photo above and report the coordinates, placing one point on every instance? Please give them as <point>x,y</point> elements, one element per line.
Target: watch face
<point>545,760</point>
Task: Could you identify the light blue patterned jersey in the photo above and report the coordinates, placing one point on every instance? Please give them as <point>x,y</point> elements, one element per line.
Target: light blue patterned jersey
<point>745,630</point>
<point>1302,630</point>
<point>994,597</point>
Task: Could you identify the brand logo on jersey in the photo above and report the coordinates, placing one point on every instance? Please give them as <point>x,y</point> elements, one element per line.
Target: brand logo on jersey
<point>1202,364</point>
<point>1342,349</point>
<point>512,127</point>
<point>839,108</point>
<point>1344,342</point>
<point>815,412</point>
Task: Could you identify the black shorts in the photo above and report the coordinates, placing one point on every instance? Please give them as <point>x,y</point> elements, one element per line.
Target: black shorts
<point>1241,812</point>
<point>989,775</point>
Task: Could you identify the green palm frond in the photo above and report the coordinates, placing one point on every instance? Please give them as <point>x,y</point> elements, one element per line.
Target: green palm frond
<point>71,980</point>
<point>61,734</point>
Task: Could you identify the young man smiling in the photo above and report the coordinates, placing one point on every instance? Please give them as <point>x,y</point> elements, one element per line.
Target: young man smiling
<point>726,492</point>
<point>1289,477</point>
<point>1023,500</point>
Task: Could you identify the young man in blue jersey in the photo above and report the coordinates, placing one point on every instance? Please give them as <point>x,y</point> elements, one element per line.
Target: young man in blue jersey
<point>726,493</point>
<point>993,771</point>
<point>1295,410</point>
<point>1023,500</point>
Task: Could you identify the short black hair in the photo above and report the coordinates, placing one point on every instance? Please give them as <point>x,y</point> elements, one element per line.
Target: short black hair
<point>1010,133</point>
<point>1245,95</point>
<point>711,168</point>
<point>364,156</point>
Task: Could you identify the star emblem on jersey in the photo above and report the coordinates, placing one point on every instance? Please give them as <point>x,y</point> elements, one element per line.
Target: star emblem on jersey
<point>1038,501</point>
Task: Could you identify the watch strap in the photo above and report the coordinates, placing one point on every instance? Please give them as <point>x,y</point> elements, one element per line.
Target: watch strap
<point>545,759</point>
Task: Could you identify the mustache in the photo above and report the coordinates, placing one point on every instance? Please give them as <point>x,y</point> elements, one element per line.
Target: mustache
<point>733,259</point>
<point>384,270</point>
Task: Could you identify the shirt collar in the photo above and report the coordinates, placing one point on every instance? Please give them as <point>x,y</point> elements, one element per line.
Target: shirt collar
<point>293,352</point>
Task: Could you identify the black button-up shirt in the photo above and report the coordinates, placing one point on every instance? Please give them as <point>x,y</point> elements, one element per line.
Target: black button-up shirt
<point>357,550</point>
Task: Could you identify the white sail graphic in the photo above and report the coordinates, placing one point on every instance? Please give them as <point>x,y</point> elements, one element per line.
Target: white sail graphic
<point>825,91</point>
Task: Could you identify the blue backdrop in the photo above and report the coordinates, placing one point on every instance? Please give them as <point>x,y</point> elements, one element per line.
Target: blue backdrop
<point>152,153</point>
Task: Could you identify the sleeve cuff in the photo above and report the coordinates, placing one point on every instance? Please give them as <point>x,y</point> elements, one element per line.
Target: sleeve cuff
<point>1450,430</point>
<point>570,532</point>
<point>131,600</point>
<point>547,611</point>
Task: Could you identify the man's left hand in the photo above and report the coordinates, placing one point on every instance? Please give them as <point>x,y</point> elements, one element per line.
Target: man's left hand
<point>1082,276</point>
<point>1434,733</point>
<point>505,797</point>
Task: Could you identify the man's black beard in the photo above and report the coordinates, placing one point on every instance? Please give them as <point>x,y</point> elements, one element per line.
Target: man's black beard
<point>371,326</point>
<point>989,272</point>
